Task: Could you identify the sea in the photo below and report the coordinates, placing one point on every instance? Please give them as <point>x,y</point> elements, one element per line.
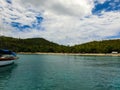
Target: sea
<point>61,72</point>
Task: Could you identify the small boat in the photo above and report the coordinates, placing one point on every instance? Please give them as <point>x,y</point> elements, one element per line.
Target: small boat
<point>7,57</point>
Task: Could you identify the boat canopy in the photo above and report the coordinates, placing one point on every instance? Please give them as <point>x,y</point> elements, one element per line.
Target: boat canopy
<point>3,51</point>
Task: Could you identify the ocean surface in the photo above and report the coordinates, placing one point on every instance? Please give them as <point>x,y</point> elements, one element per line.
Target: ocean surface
<point>61,72</point>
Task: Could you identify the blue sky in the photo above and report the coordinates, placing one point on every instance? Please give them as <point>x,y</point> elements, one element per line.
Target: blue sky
<point>61,21</point>
<point>107,6</point>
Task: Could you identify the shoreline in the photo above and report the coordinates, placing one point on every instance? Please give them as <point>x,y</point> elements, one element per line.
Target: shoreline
<point>74,54</point>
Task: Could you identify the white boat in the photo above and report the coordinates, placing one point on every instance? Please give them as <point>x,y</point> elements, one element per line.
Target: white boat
<point>7,57</point>
<point>4,63</point>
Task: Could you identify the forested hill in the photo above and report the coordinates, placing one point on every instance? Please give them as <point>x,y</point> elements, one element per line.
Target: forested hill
<point>42,45</point>
<point>30,45</point>
<point>105,46</point>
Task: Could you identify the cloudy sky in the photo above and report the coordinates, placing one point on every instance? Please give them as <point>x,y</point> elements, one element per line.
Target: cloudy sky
<point>67,22</point>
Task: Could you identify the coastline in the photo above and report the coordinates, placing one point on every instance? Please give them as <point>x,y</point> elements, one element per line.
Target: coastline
<point>74,54</point>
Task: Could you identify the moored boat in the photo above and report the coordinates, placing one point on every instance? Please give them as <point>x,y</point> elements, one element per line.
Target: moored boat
<point>7,57</point>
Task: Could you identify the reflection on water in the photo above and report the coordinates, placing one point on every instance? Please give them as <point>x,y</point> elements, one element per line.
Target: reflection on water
<point>54,72</point>
<point>7,68</point>
<point>5,75</point>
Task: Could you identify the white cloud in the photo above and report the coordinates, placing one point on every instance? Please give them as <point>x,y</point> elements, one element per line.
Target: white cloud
<point>64,21</point>
<point>101,1</point>
<point>71,30</point>
<point>63,7</point>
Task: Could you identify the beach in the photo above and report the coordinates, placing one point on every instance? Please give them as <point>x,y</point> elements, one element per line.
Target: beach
<point>78,54</point>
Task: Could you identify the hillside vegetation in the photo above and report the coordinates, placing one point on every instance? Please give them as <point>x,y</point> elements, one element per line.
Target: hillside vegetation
<point>42,45</point>
<point>30,45</point>
<point>105,46</point>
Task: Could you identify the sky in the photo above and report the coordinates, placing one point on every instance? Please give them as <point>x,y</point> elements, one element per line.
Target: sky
<point>66,22</point>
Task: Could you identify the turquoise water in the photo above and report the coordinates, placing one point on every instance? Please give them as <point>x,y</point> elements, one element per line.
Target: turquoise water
<point>57,72</point>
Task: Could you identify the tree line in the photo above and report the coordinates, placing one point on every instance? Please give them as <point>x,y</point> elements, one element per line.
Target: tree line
<point>42,45</point>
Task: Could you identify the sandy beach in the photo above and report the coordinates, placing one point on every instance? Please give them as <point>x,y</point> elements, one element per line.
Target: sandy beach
<point>78,54</point>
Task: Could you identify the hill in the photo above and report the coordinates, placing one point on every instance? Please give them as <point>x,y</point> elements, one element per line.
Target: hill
<point>105,46</point>
<point>43,45</point>
<point>30,45</point>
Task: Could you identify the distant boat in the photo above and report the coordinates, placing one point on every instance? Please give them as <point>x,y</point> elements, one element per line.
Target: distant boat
<point>7,57</point>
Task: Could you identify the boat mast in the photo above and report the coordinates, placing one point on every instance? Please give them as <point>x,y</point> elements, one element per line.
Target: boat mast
<point>0,27</point>
<point>1,9</point>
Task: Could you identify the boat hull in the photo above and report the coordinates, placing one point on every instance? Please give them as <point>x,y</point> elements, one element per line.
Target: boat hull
<point>4,63</point>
